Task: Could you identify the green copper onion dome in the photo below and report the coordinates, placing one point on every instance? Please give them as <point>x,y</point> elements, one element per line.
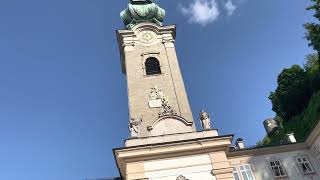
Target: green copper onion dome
<point>139,11</point>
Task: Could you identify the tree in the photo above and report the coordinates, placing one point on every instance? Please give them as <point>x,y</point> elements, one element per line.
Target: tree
<point>313,29</point>
<point>311,62</point>
<point>312,68</point>
<point>292,94</point>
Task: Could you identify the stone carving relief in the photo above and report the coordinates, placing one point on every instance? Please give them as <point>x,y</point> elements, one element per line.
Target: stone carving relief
<point>205,120</point>
<point>181,178</point>
<point>158,100</point>
<point>166,109</point>
<point>134,127</point>
<point>156,97</point>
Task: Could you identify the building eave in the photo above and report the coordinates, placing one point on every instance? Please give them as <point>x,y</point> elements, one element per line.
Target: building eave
<point>264,150</point>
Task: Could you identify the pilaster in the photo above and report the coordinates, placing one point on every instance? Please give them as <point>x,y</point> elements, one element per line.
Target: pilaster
<point>221,167</point>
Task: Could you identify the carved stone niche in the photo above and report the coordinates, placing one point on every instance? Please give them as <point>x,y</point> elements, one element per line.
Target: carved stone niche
<point>170,125</point>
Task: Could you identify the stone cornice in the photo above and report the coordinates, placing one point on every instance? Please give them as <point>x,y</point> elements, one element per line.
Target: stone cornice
<point>267,150</point>
<point>315,133</point>
<point>171,149</point>
<point>145,141</point>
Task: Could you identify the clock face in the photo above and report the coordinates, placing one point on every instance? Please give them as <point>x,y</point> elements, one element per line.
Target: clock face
<point>147,36</point>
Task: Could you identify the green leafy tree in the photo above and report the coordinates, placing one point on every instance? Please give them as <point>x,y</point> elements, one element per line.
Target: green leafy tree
<point>312,68</point>
<point>313,29</point>
<point>311,63</point>
<point>292,94</point>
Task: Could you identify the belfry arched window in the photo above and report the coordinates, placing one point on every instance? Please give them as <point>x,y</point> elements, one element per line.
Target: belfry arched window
<point>152,66</point>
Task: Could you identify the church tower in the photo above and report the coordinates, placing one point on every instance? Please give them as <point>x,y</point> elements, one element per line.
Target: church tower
<point>164,142</point>
<point>156,91</point>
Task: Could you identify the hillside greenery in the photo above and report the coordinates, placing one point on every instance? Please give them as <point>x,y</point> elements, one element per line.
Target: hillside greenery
<point>301,125</point>
<point>296,100</point>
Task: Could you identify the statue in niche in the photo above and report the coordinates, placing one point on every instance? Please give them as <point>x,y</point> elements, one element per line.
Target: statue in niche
<point>181,178</point>
<point>205,120</point>
<point>134,127</point>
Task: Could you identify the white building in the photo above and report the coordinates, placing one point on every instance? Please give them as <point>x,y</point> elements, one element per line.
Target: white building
<point>165,144</point>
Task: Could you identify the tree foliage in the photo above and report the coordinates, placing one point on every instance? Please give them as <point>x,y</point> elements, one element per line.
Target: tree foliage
<point>312,68</point>
<point>292,94</point>
<point>301,125</point>
<point>311,64</point>
<point>313,29</point>
<point>296,100</point>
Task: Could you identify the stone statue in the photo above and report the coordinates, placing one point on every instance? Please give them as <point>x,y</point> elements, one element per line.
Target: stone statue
<point>181,178</point>
<point>134,127</point>
<point>205,120</point>
<point>139,11</point>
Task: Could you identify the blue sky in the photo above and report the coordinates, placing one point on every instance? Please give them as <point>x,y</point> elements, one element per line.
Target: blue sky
<point>63,101</point>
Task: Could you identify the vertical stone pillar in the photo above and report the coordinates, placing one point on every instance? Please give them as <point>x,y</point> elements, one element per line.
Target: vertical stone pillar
<point>221,168</point>
<point>181,94</point>
<point>135,171</point>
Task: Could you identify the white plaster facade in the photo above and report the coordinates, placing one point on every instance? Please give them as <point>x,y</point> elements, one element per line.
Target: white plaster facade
<point>169,146</point>
<point>206,156</point>
<point>191,167</point>
<point>259,158</point>
<point>314,142</point>
<point>262,170</point>
<point>316,150</point>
